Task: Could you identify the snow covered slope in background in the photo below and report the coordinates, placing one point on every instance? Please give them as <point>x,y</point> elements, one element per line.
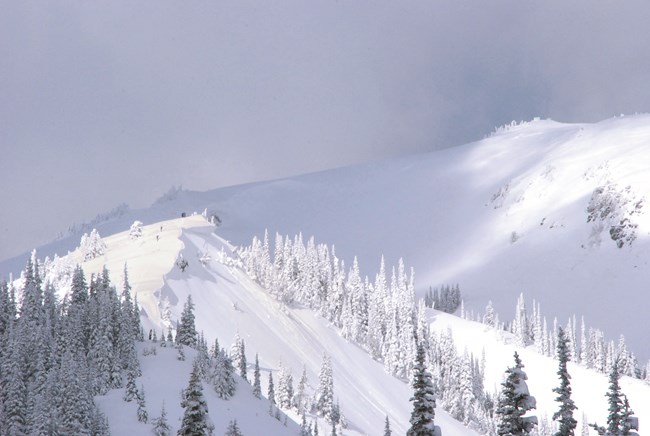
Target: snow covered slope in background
<point>501,216</point>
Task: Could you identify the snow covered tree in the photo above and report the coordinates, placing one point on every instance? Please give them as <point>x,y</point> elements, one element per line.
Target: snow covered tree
<point>143,416</point>
<point>300,399</point>
<point>514,402</point>
<point>195,417</point>
<point>233,429</point>
<point>424,401</point>
<point>271,390</point>
<point>160,424</point>
<point>284,393</point>
<point>131,390</point>
<point>186,333</point>
<point>489,318</point>
<point>221,377</point>
<point>135,232</point>
<point>257,386</point>
<point>520,325</point>
<point>564,416</point>
<point>238,356</point>
<point>325,394</point>
<point>92,245</point>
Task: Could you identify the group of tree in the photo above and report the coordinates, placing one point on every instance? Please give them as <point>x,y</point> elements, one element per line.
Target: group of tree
<point>515,401</point>
<point>447,298</point>
<point>381,315</point>
<point>586,346</point>
<point>55,355</point>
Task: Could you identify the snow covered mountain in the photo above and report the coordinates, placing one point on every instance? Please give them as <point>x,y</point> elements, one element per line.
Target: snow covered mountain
<point>228,303</point>
<point>555,211</point>
<point>539,208</point>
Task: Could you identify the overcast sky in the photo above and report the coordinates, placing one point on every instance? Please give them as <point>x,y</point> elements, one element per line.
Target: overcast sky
<point>103,102</point>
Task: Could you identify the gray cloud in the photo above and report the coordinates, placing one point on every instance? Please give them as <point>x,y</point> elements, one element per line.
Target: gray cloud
<point>104,102</point>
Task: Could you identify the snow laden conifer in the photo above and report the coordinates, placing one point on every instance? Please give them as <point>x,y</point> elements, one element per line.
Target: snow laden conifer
<point>222,375</point>
<point>514,402</point>
<point>271,390</point>
<point>300,400</point>
<point>257,385</point>
<point>325,394</point>
<point>131,390</point>
<point>186,333</point>
<point>238,356</point>
<point>520,325</point>
<point>424,401</point>
<point>92,246</point>
<point>195,416</point>
<point>285,388</point>
<point>143,416</point>
<point>135,231</point>
<point>233,429</point>
<point>564,416</point>
<point>160,424</point>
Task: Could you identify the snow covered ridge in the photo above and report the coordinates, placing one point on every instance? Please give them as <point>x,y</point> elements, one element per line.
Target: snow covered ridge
<point>539,208</point>
<point>289,337</point>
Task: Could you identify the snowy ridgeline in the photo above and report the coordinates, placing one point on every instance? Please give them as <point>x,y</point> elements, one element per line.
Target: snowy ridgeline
<point>370,314</point>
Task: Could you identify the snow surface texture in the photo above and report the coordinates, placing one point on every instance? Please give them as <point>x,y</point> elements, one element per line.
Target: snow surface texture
<point>227,302</point>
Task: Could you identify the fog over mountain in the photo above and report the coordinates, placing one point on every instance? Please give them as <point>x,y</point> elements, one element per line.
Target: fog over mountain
<point>104,103</point>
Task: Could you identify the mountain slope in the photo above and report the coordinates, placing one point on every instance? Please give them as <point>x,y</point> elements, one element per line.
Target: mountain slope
<point>530,209</point>
<point>227,303</point>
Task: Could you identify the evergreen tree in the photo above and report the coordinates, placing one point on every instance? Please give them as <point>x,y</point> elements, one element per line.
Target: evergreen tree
<point>271,390</point>
<point>514,402</point>
<point>619,419</point>
<point>138,332</point>
<point>143,416</point>
<point>196,421</point>
<point>284,394</point>
<point>233,429</point>
<point>564,416</point>
<point>300,400</point>
<point>325,393</point>
<point>160,424</point>
<point>614,419</point>
<point>424,402</point>
<point>257,387</point>
<point>222,377</point>
<point>387,430</point>
<point>180,351</point>
<point>489,318</point>
<point>238,356</point>
<point>186,333</point>
<point>131,390</point>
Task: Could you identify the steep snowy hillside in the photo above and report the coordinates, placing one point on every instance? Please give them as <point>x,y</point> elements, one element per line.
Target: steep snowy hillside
<point>539,208</point>
<point>229,303</point>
